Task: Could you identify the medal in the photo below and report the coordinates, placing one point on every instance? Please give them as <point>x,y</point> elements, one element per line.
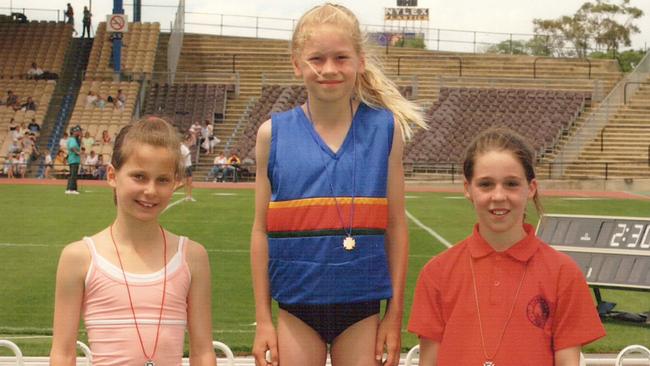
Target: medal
<point>149,363</point>
<point>349,243</point>
<point>488,363</point>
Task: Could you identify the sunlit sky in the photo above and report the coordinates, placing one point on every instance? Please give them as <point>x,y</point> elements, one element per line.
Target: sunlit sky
<point>502,16</point>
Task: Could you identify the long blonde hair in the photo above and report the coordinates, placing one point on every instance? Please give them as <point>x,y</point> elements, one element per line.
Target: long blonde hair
<point>372,87</point>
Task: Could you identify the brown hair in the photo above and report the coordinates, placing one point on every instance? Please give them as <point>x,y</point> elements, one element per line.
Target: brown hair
<point>372,87</point>
<point>502,139</point>
<point>152,131</point>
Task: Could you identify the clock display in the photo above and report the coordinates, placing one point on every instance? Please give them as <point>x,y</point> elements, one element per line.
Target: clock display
<point>611,251</point>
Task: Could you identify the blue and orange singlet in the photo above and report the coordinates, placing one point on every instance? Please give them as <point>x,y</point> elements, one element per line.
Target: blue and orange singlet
<point>307,261</point>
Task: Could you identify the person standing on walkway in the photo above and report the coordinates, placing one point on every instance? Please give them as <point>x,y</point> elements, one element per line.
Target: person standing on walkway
<point>74,159</point>
<point>86,22</point>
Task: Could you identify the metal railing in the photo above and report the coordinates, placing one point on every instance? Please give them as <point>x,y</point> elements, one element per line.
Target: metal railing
<point>599,117</point>
<point>441,39</point>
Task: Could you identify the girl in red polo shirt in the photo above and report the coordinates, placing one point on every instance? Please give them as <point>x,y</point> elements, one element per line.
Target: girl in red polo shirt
<point>502,296</point>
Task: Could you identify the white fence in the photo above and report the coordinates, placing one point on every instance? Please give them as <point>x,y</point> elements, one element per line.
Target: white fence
<point>634,355</point>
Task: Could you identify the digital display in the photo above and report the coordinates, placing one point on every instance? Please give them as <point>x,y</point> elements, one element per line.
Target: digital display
<point>611,251</point>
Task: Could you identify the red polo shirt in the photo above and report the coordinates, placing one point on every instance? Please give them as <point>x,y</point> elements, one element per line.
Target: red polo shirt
<point>554,309</point>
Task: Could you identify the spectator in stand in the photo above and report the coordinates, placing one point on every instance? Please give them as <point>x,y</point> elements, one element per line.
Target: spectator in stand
<point>21,164</point>
<point>12,99</point>
<point>35,72</point>
<point>29,105</point>
<point>233,165</point>
<point>91,99</point>
<point>63,143</point>
<point>218,168</point>
<point>90,163</point>
<point>187,163</point>
<point>87,141</point>
<point>13,129</point>
<point>100,168</point>
<point>22,129</point>
<point>82,158</point>
<point>60,162</point>
<point>106,138</point>
<point>15,145</point>
<point>27,144</point>
<point>100,102</point>
<point>34,127</point>
<point>86,22</point>
<point>47,164</point>
<point>120,100</point>
<point>195,130</point>
<point>7,166</point>
<point>68,16</point>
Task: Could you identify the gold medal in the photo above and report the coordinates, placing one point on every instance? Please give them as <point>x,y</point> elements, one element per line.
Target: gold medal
<point>349,243</point>
<point>149,363</point>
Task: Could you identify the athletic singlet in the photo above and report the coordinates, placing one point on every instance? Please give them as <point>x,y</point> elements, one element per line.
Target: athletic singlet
<point>307,261</point>
<point>109,320</point>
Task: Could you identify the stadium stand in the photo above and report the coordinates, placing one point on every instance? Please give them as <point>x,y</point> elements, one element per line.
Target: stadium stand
<point>41,92</point>
<point>182,104</point>
<point>625,137</point>
<point>95,119</point>
<point>259,62</point>
<point>138,52</point>
<point>460,113</point>
<point>274,98</point>
<point>23,43</point>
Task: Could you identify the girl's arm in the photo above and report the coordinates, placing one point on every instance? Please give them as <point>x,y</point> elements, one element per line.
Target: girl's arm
<point>568,356</point>
<point>70,276</point>
<point>199,307</point>
<point>389,332</point>
<point>265,335</point>
<point>428,352</point>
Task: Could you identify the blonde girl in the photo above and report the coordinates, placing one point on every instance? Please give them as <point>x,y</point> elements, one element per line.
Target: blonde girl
<point>137,285</point>
<point>329,240</point>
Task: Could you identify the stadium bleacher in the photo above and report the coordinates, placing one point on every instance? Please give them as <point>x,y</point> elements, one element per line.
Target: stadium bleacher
<point>460,113</point>
<point>23,43</point>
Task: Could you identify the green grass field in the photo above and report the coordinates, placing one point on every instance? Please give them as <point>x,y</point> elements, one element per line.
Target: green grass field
<point>37,221</point>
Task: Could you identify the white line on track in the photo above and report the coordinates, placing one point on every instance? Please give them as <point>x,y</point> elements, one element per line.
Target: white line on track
<point>428,230</point>
<point>27,245</point>
<point>173,204</point>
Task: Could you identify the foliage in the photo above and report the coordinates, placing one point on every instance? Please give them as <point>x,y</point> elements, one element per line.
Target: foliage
<point>626,59</point>
<point>598,24</point>
<point>412,43</point>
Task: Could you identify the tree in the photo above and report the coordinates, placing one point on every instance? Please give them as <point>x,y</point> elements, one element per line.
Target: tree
<point>599,23</point>
<point>508,47</point>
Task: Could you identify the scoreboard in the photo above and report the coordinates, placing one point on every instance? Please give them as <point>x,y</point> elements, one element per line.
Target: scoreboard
<point>611,251</point>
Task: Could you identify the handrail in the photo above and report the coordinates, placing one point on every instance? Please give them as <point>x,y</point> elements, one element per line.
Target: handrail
<point>599,117</point>
<point>558,58</point>
<point>230,357</point>
<point>14,348</point>
<point>631,83</point>
<point>460,61</point>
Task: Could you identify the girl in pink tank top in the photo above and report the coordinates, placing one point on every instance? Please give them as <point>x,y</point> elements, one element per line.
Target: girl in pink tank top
<point>133,282</point>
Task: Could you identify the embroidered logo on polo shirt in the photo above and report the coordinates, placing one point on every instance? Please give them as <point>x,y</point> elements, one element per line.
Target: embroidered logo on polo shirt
<point>538,311</point>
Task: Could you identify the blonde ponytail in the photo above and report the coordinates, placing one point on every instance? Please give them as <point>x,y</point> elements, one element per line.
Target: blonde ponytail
<point>375,89</point>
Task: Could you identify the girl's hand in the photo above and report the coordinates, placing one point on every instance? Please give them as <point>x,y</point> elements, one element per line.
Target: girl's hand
<point>266,338</point>
<point>389,337</point>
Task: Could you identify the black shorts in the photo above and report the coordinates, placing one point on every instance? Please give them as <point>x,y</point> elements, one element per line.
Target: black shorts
<point>188,172</point>
<point>330,320</point>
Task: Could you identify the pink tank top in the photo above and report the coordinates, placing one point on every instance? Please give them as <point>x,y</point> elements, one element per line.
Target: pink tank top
<point>109,321</point>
